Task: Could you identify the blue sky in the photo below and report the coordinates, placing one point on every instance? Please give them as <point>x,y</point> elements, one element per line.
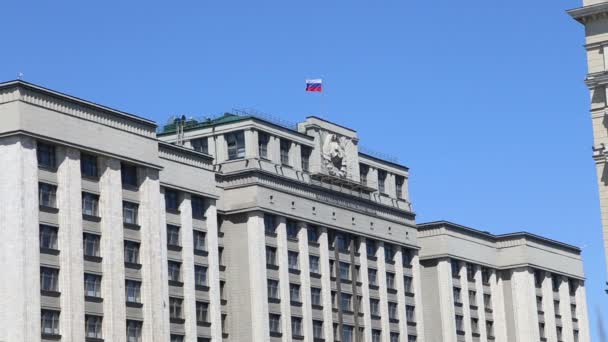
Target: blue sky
<point>483,100</point>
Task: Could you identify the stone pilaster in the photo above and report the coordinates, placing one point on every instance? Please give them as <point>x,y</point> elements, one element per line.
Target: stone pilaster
<point>19,255</point>
<point>307,330</point>
<point>251,143</point>
<point>284,279</point>
<point>581,313</point>
<point>112,240</point>
<point>466,309</point>
<point>365,307</point>
<point>189,305</point>
<point>213,272</point>
<point>69,235</point>
<point>548,308</point>
<point>564,306</point>
<point>400,294</point>
<point>417,283</point>
<point>446,300</point>
<point>481,312</point>
<point>524,305</point>
<point>326,284</point>
<point>258,280</point>
<point>384,320</point>
<point>498,306</point>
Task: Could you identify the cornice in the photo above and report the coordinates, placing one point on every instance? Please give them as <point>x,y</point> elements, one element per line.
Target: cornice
<point>596,79</point>
<point>185,156</point>
<point>588,13</point>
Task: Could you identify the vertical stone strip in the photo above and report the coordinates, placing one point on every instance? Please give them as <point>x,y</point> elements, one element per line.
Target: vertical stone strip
<point>251,143</point>
<point>283,278</point>
<point>498,306</point>
<point>481,307</point>
<point>153,256</point>
<point>581,313</point>
<point>400,294</point>
<point>417,283</point>
<point>258,278</point>
<point>69,236</point>
<point>189,305</point>
<point>384,322</point>
<point>213,272</point>
<point>446,300</point>
<point>326,284</point>
<point>365,306</point>
<point>466,309</point>
<point>566,312</point>
<point>305,283</point>
<point>524,305</point>
<point>548,307</point>
<point>20,252</point>
<point>112,240</point>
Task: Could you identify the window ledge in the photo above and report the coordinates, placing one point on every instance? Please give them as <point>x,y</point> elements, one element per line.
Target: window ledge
<point>176,320</point>
<point>373,258</point>
<point>133,265</point>
<point>93,258</point>
<point>51,336</point>
<point>93,339</point>
<point>176,283</point>
<point>133,226</point>
<point>134,304</point>
<point>203,324</point>
<point>374,287</point>
<point>411,323</point>
<point>222,268</point>
<point>50,251</point>
<point>316,306</point>
<point>393,291</point>
<point>47,209</point>
<point>475,334</point>
<point>202,287</point>
<point>409,293</point>
<point>50,293</point>
<point>474,307</point>
<point>90,178</point>
<point>130,187</point>
<point>91,218</point>
<point>174,248</point>
<point>274,300</point>
<point>460,332</point>
<point>93,299</point>
<point>272,267</point>
<point>375,316</point>
<point>313,243</point>
<point>315,275</point>
<point>173,211</point>
<point>297,337</point>
<point>294,271</point>
<point>393,320</point>
<point>275,334</point>
<point>458,304</point>
<point>201,252</point>
<point>295,303</point>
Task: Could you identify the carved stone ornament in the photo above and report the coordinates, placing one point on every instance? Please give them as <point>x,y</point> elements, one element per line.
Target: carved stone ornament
<point>334,155</point>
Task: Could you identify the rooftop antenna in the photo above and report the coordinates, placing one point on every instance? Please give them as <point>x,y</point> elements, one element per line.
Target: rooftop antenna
<point>181,122</point>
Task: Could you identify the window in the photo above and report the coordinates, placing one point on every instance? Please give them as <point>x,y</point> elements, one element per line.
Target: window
<point>411,338</point>
<point>200,145</point>
<point>575,333</point>
<point>273,289</point>
<point>49,278</point>
<point>88,166</point>
<point>347,333</point>
<point>171,200</point>
<point>456,293</point>
<point>539,303</point>
<point>174,271</point>
<point>129,212</point>
<point>313,262</point>
<point>406,257</point>
<point>381,181</point>
<point>92,326</point>
<point>390,280</point>
<point>399,181</point>
<point>372,275</point>
<point>487,301</point>
<point>131,252</point>
<point>198,207</point>
<point>455,269</point>
<point>271,256</point>
<point>285,147</point>
<point>555,282</point>
<point>198,240</point>
<point>559,334</point>
<point>274,322</point>
<point>459,323</point>
<point>270,226</point>
<point>177,338</point>
<point>541,330</point>
<point>236,145</point>
<point>342,242</point>
<point>90,244</point>
<point>315,296</point>
<point>296,326</point>
<point>556,307</point>
<point>490,328</point>
<point>485,275</point>
<point>175,308</point>
<point>128,175</point>
<point>573,311</point>
<point>407,284</point>
<point>376,335</point>
<point>202,312</point>
<point>475,325</point>
<point>374,305</point>
<point>92,285</point>
<point>389,253</point>
<point>292,260</point>
<point>370,247</point>
<point>305,152</point>
<point>47,195</point>
<point>133,291</point>
<point>133,331</point>
<point>470,272</point>
<point>46,156</point>
<point>292,229</point>
<point>346,302</point>
<point>313,234</point>
<point>344,271</point>
<point>410,313</point>
<point>572,286</point>
<point>90,204</point>
<point>48,237</point>
<point>472,298</point>
<point>172,235</point>
<point>363,171</point>
<point>263,139</point>
<point>392,310</point>
<point>317,329</point>
<point>394,337</point>
<point>50,322</point>
<point>200,275</point>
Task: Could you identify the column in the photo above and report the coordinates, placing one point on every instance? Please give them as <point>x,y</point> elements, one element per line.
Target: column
<point>367,319</point>
<point>20,252</point>
<point>257,280</point>
<point>384,321</point>
<point>523,293</point>
<point>213,273</point>
<point>153,257</point>
<point>548,307</point>
<point>481,312</point>
<point>498,306</point>
<point>112,242</point>
<point>564,306</point>
<point>417,283</point>
<point>71,270</point>
<point>326,284</point>
<point>446,298</point>
<point>251,143</point>
<point>296,156</point>
<point>466,309</point>
<point>189,305</point>
<point>400,294</point>
<point>274,149</point>
<point>221,149</point>
<point>284,278</point>
<point>305,283</point>
<point>581,312</point>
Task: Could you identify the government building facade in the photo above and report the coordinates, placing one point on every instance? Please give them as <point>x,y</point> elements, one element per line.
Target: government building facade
<point>236,228</point>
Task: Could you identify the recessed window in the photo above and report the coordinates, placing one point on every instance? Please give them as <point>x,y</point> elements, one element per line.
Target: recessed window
<point>390,280</point>
<point>294,293</point>
<point>315,296</point>
<point>49,279</point>
<point>305,152</point>
<point>200,145</point>
<point>198,207</point>
<point>372,275</point>
<point>48,237</point>
<point>129,212</point>
<point>394,337</point>
<point>173,235</point>
<point>200,275</point>
<point>177,338</point>
<point>49,320</point>
<point>90,204</point>
<point>273,289</point>
<point>134,331</point>
<point>490,328</point>
<point>344,270</point>
<point>88,166</point>
<point>131,252</point>
<point>374,305</point>
<point>389,253</point>
<point>456,293</point>
<point>472,297</point>
<point>346,302</point>
<point>46,156</point>
<point>92,326</point>
<point>263,139</point>
<point>382,181</point>
<point>199,241</point>
<point>399,181</point>
<point>317,329</point>
<point>171,200</point>
<point>174,271</point>
<point>347,333</point>
<point>459,323</point>
<point>342,242</point>
<point>47,195</point>
<point>133,291</point>
<point>296,326</point>
<point>293,260</point>
<point>271,256</point>
<point>407,284</point>
<point>128,175</point>
<point>475,325</point>
<point>376,335</point>
<point>175,308</point>
<point>485,275</point>
<point>202,312</point>
<point>392,310</point>
<point>410,313</point>
<point>270,225</point>
<point>285,147</point>
<point>90,244</point>
<point>470,271</point>
<point>313,234</point>
<point>92,285</point>
<point>455,268</point>
<point>370,248</point>
<point>313,264</point>
<point>292,229</point>
<point>236,145</point>
<point>363,171</point>
<point>556,281</point>
<point>274,323</point>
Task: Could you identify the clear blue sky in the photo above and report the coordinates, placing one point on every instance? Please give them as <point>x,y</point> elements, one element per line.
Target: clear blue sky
<point>483,100</point>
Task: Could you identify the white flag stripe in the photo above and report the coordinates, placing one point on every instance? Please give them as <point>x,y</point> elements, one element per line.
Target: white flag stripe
<point>318,80</point>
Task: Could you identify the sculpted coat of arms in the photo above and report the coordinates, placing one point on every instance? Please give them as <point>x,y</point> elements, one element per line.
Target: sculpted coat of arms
<point>334,155</point>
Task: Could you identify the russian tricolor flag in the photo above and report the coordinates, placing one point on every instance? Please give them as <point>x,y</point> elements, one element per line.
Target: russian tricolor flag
<point>314,85</point>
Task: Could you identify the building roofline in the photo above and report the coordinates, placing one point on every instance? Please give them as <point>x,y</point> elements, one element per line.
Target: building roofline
<point>499,237</point>
<point>329,122</point>
<point>581,14</point>
<point>384,161</point>
<point>24,84</point>
<point>185,150</point>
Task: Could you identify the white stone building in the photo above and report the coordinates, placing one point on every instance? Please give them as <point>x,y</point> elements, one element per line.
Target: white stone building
<point>238,229</point>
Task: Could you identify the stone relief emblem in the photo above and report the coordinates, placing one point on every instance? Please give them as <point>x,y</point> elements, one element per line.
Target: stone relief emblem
<point>334,155</point>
